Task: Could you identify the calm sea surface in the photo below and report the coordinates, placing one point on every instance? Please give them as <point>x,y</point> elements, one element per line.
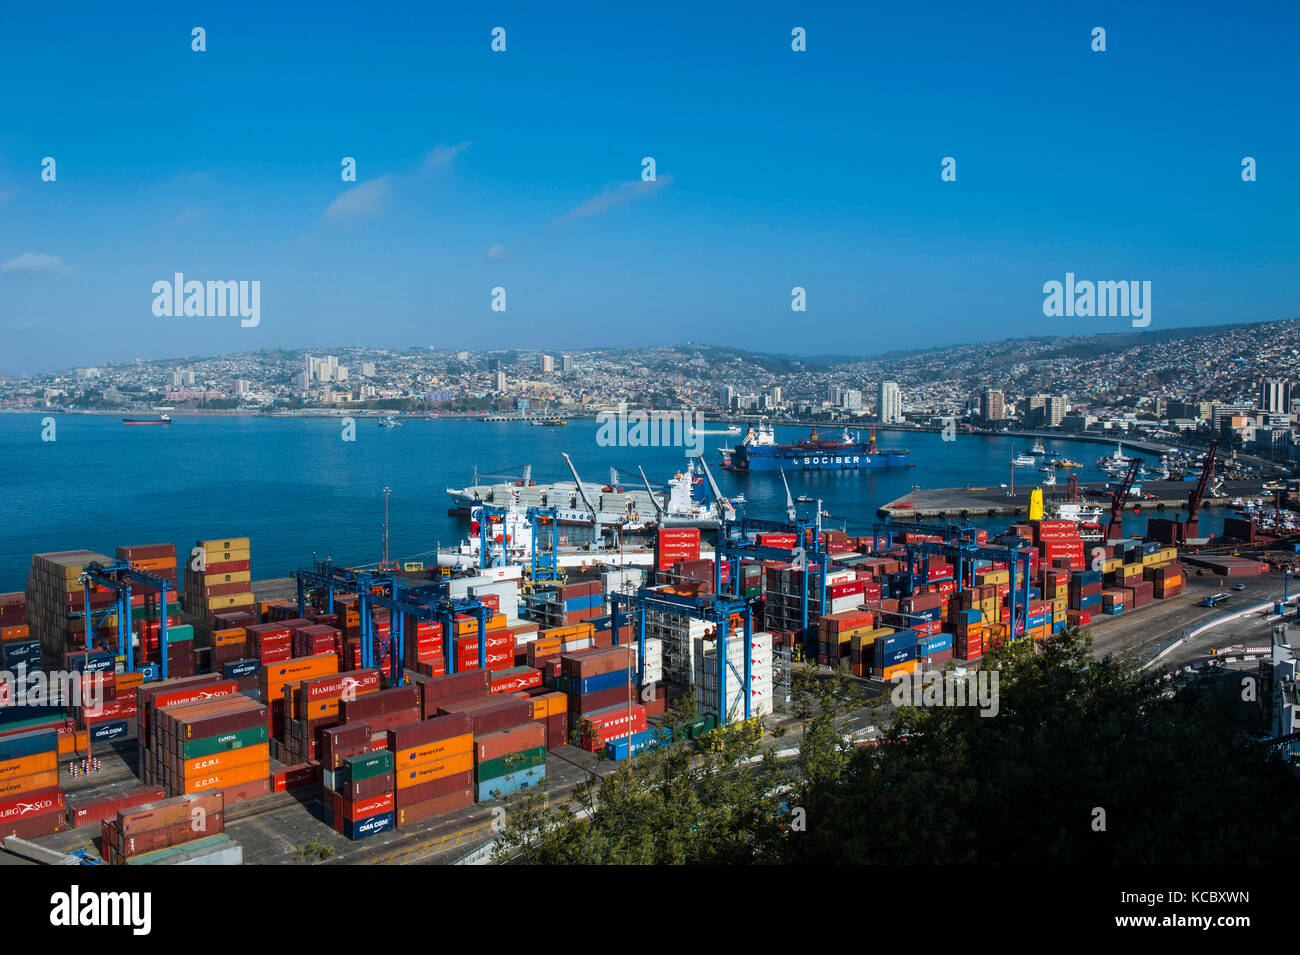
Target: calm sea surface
<point>297,489</point>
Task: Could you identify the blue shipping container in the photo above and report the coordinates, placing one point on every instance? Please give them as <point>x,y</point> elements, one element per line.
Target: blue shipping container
<point>107,730</point>
<point>511,782</point>
<point>27,744</point>
<point>368,827</point>
<point>240,669</point>
<point>935,643</point>
<point>605,681</point>
<point>97,661</point>
<point>619,748</point>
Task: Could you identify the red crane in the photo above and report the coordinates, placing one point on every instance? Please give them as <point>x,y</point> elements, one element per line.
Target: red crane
<point>1190,528</point>
<point>1115,530</point>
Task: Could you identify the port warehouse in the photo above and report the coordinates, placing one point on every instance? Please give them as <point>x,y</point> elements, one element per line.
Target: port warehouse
<point>387,703</point>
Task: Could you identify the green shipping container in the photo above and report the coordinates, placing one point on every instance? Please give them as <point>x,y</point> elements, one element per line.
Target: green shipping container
<point>178,634</point>
<point>510,763</point>
<point>367,766</point>
<point>210,745</point>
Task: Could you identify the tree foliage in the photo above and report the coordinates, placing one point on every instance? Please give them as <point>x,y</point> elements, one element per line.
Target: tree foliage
<point>1086,761</point>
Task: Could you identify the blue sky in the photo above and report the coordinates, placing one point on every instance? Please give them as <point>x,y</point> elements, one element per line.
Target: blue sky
<point>521,169</point>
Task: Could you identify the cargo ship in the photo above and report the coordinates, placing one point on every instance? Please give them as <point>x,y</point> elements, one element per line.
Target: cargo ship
<point>161,419</point>
<point>685,503</point>
<point>760,452</point>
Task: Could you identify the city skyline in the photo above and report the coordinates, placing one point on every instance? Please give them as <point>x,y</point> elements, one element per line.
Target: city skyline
<point>822,172</point>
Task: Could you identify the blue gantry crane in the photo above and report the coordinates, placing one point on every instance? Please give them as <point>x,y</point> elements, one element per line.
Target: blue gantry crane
<point>961,547</point>
<point>544,564</point>
<point>718,610</point>
<point>118,576</point>
<point>427,602</point>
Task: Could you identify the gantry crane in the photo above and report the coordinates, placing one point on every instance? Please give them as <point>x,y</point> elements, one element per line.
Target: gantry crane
<point>1115,530</point>
<point>118,576</point>
<point>1191,525</point>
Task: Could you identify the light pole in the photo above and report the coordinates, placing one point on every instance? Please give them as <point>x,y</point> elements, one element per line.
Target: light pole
<point>387,492</point>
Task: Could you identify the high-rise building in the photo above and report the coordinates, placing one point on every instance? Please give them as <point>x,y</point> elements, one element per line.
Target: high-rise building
<point>774,393</point>
<point>494,364</point>
<point>547,364</point>
<point>501,381</point>
<point>1221,413</point>
<point>1055,409</point>
<point>852,399</point>
<point>835,395</point>
<point>367,369</point>
<point>889,403</point>
<point>566,364</point>
<point>462,356</point>
<point>993,405</point>
<point>242,386</point>
<point>726,395</point>
<point>1275,395</point>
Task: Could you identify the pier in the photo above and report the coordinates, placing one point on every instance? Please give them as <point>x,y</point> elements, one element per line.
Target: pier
<point>952,502</point>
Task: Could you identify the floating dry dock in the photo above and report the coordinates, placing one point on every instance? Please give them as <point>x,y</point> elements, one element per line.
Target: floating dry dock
<point>951,502</point>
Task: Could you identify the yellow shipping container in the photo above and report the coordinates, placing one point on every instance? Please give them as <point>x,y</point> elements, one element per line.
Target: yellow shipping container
<point>234,577</point>
<point>229,543</point>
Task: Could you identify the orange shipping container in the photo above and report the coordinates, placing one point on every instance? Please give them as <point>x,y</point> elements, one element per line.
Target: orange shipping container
<point>890,672</point>
<point>416,775</point>
<point>27,784</point>
<point>128,682</point>
<point>431,752</point>
<point>233,777</point>
<point>71,743</point>
<point>27,765</point>
<point>226,761</point>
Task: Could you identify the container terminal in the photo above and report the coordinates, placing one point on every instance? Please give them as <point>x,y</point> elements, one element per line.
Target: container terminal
<point>385,711</point>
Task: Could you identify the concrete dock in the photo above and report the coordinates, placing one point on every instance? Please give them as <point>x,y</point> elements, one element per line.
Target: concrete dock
<point>954,502</point>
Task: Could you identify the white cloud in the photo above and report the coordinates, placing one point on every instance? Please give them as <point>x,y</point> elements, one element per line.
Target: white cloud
<point>618,195</point>
<point>363,200</point>
<point>441,155</point>
<point>496,252</point>
<point>34,262</point>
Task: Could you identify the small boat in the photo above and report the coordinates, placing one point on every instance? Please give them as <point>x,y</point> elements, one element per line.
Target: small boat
<point>548,423</point>
<point>388,421</point>
<point>803,499</point>
<point>1023,461</point>
<point>161,419</point>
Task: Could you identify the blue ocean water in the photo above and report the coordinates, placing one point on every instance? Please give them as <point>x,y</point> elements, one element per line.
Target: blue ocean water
<point>298,490</point>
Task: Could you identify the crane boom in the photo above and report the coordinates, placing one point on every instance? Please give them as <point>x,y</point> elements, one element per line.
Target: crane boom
<point>725,510</point>
<point>1115,530</point>
<point>659,511</point>
<point>582,492</point>
<point>789,501</point>
<point>1191,525</point>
